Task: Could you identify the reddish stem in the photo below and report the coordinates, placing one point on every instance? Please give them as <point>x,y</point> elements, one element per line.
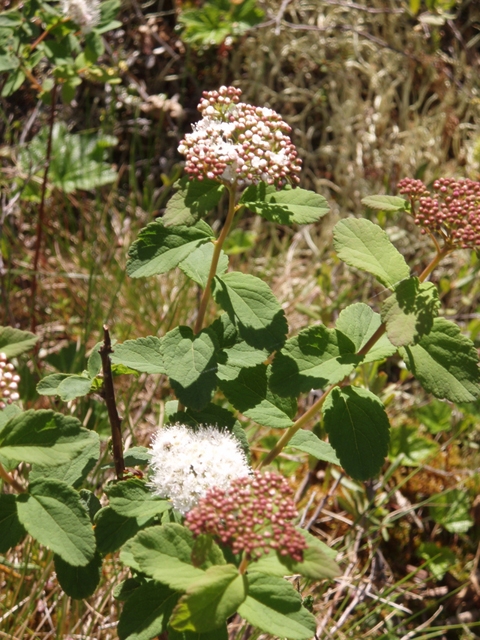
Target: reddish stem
<point>41,211</point>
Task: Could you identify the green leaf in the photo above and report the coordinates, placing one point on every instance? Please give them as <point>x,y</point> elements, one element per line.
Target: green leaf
<point>252,308</point>
<point>74,471</point>
<point>94,365</point>
<point>124,589</point>
<point>66,386</point>
<point>409,313</point>
<point>451,509</point>
<point>217,20</point>
<point>10,411</point>
<point>8,63</point>
<point>77,160</point>
<point>108,11</point>
<point>90,502</point>
<point>358,429</point>
<point>142,354</point>
<point>317,562</point>
<point>440,559</point>
<point>274,606</point>
<point>445,362</point>
<point>13,82</point>
<point>190,363</point>
<point>136,456</point>
<point>11,19</point>
<point>385,203</point>
<point>210,414</point>
<point>194,199</point>
<point>197,265</point>
<point>164,553</point>
<point>43,437</point>
<point>210,600</point>
<point>14,342</point>
<point>146,612</point>
<point>132,498</point>
<point>436,416</point>
<point>58,52</point>
<point>54,515</point>
<point>159,249</point>
<point>307,441</point>
<point>365,246</point>
<point>359,322</point>
<point>94,46</point>
<point>251,395</point>
<point>240,356</point>
<point>112,530</point>
<point>216,634</point>
<point>11,529</point>
<point>206,553</point>
<point>414,448</point>
<point>313,359</point>
<point>79,582</point>
<point>288,206</point>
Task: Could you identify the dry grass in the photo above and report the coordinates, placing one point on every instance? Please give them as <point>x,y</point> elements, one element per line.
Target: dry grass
<point>372,97</point>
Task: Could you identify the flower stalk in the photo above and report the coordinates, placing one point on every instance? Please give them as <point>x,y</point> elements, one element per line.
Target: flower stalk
<point>232,209</point>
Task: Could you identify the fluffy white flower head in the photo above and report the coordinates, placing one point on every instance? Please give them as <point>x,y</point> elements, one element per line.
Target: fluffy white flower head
<point>85,13</point>
<point>187,463</point>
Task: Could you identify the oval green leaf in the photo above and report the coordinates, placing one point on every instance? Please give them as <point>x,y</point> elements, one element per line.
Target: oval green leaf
<point>365,246</point>
<point>53,513</point>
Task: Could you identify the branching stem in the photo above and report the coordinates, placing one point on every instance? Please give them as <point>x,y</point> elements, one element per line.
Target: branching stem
<point>315,408</point>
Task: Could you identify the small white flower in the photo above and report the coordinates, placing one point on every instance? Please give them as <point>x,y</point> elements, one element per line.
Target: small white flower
<point>85,13</point>
<point>187,463</point>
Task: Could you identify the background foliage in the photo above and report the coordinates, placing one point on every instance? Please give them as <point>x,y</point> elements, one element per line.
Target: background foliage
<point>374,92</point>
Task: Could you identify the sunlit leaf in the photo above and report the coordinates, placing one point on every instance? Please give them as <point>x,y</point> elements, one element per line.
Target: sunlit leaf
<point>364,245</point>
<point>287,206</point>
<point>445,362</point>
<point>53,514</point>
<point>159,249</point>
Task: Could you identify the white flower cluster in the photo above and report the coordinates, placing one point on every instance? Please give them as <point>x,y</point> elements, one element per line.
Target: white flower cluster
<point>187,462</point>
<point>8,382</point>
<point>85,13</point>
<point>239,143</point>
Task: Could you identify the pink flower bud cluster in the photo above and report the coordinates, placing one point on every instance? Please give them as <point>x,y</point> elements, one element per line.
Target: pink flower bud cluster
<point>453,210</point>
<point>413,188</point>
<point>8,382</point>
<point>253,516</point>
<point>237,143</point>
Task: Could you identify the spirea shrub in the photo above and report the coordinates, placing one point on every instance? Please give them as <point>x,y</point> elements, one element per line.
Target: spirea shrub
<point>203,535</point>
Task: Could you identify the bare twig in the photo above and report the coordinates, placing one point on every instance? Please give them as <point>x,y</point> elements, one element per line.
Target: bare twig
<point>279,16</point>
<point>109,397</point>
